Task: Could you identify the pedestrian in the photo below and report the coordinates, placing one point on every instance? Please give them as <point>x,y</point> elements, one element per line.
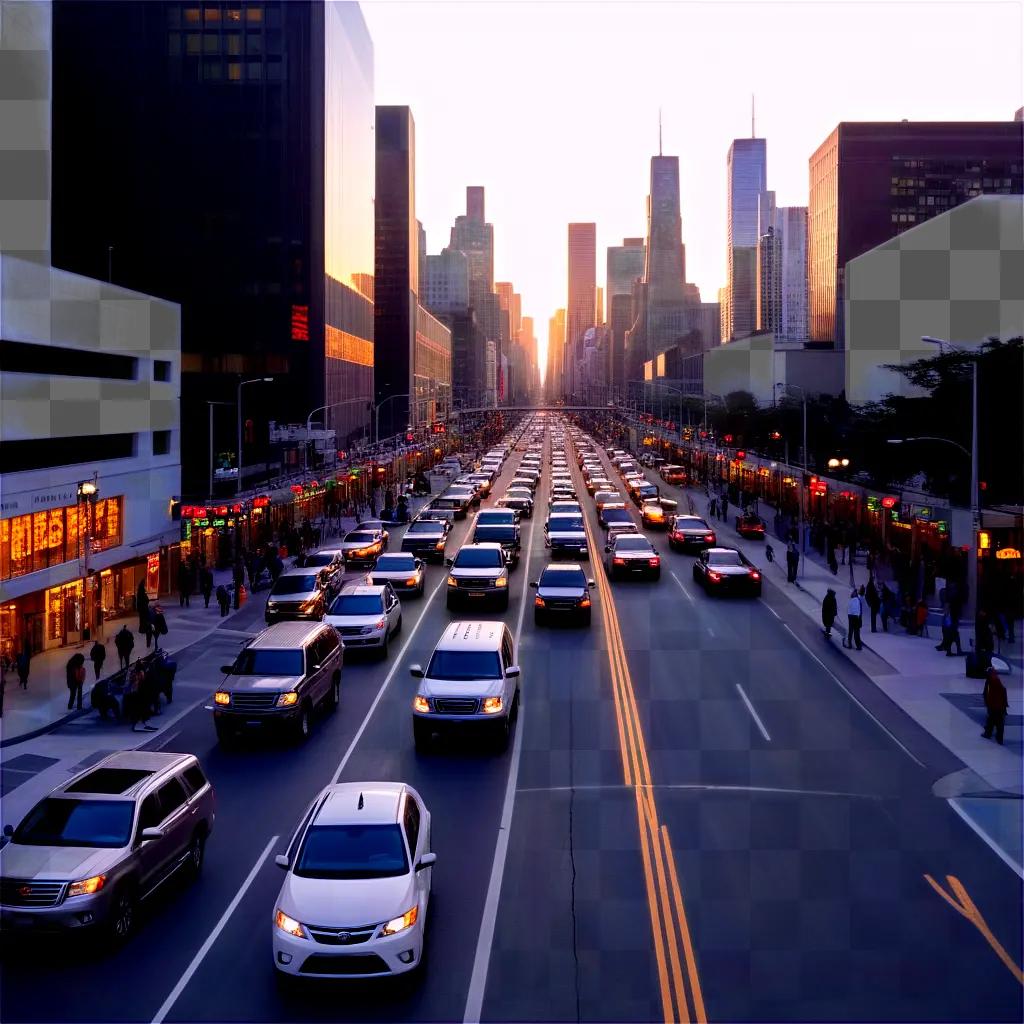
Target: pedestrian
<point>921,618</point>
<point>75,672</point>
<point>159,625</point>
<point>792,562</point>
<point>21,663</point>
<point>142,607</point>
<point>223,599</point>
<point>98,655</point>
<point>833,564</point>
<point>185,583</point>
<point>888,599</point>
<point>874,602</point>
<point>829,610</point>
<point>136,707</point>
<point>996,704</point>
<point>124,642</point>
<point>855,618</point>
<point>206,584</point>
<point>950,635</point>
<point>713,508</point>
<point>725,508</point>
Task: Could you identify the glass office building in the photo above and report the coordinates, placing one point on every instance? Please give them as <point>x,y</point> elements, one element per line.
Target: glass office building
<point>221,155</point>
<point>747,169</point>
<point>871,181</point>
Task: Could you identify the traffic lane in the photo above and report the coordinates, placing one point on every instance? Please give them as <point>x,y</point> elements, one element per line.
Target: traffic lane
<point>462,785</point>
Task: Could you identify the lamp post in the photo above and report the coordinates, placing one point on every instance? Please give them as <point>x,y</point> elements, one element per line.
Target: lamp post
<point>972,557</point>
<point>209,407</point>
<point>803,483</point>
<point>377,408</point>
<point>87,491</point>
<point>241,384</point>
<point>309,427</point>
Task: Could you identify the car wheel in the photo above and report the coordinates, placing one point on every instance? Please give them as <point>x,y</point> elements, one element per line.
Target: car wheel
<point>303,724</point>
<point>538,618</point>
<point>502,731</point>
<point>225,736</point>
<point>196,853</point>
<point>334,695</point>
<point>121,922</point>
<point>421,734</point>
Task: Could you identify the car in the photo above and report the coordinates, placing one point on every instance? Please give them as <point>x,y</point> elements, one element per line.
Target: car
<point>356,890</point>
<point>470,683</point>
<point>653,515</point>
<point>456,504</point>
<point>615,529</point>
<point>519,503</point>
<point>632,556</point>
<point>467,493</point>
<point>478,574</point>
<point>609,497</point>
<point>426,538</point>
<point>565,534</point>
<point>520,482</point>
<point>687,533</point>
<point>598,483</point>
<point>563,593</point>
<point>559,505</point>
<point>85,855</point>
<point>496,516</point>
<point>672,474</point>
<point>642,491</point>
<point>332,563</point>
<point>296,594</point>
<point>375,524</point>
<point>614,513</point>
<point>279,680</point>
<point>404,572</point>
<point>721,570</point>
<point>437,515</point>
<point>362,546</point>
<point>366,616</point>
<point>505,534</point>
<point>750,526</point>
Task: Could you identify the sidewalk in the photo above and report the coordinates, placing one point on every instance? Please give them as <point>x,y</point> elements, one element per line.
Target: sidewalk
<point>927,685</point>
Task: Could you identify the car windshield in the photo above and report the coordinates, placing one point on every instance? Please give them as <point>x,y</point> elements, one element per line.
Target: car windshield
<point>607,496</point>
<point>463,666</point>
<point>423,526</point>
<point>106,824</point>
<point>319,559</point>
<point>491,518</point>
<point>477,558</point>
<point>260,661</point>
<point>724,558</point>
<point>563,578</point>
<point>692,524</point>
<point>359,538</point>
<point>357,604</point>
<point>616,515</point>
<point>396,563</point>
<point>632,544</point>
<point>294,585</point>
<point>574,523</point>
<point>496,534</point>
<point>352,851</point>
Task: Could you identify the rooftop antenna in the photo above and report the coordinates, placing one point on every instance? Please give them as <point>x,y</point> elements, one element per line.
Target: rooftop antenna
<point>752,133</point>
<point>659,131</point>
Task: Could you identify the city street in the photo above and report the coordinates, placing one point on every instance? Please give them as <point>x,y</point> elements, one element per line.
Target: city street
<point>706,813</point>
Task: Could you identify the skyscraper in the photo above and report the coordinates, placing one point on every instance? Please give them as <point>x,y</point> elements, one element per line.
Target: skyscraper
<point>625,266</point>
<point>473,236</point>
<point>792,227</point>
<point>665,269</point>
<point>579,314</point>
<point>553,380</point>
<point>871,181</point>
<point>747,175</point>
<point>189,193</point>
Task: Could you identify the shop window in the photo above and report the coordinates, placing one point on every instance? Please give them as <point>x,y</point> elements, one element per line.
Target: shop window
<point>55,535</point>
<point>39,541</point>
<point>72,531</point>
<point>233,15</point>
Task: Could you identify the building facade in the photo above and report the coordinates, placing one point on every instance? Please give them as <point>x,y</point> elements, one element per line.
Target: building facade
<point>746,163</point>
<point>444,286</point>
<point>869,181</point>
<point>554,378</point>
<point>191,193</point>
<point>579,310</point>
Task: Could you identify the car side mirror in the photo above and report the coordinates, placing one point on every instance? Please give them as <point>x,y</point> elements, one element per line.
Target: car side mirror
<point>449,561</point>
<point>591,584</point>
<point>512,671</point>
<point>417,563</point>
<point>227,669</point>
<point>535,583</point>
<point>282,861</point>
<point>151,833</point>
<point>416,671</point>
<point>426,861</point>
<point>607,547</point>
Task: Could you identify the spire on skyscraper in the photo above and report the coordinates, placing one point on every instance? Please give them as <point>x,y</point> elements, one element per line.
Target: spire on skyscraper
<point>752,133</point>
<point>659,131</point>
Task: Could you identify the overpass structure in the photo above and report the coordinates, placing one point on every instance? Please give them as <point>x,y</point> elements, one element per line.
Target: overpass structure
<point>455,413</point>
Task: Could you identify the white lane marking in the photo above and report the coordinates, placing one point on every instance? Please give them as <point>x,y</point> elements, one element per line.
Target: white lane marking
<point>163,743</point>
<point>986,838</point>
<point>169,1002</point>
<point>686,593</point>
<point>710,786</point>
<point>485,939</point>
<point>772,610</point>
<point>855,700</point>
<point>753,713</point>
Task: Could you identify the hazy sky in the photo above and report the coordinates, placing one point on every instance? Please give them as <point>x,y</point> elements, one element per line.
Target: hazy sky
<point>553,107</point>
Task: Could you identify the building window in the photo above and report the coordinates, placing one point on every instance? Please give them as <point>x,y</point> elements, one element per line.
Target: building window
<point>213,70</point>
<point>45,453</point>
<point>161,442</point>
<point>254,15</point>
<point>174,44</point>
<point>211,15</point>
<point>275,70</point>
<point>193,43</point>
<point>211,42</point>
<point>254,44</point>
<point>162,370</point>
<point>234,41</point>
<point>234,71</point>
<point>254,70</point>
<point>192,16</point>
<point>233,15</point>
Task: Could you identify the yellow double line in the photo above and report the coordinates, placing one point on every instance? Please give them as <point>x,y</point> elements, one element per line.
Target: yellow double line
<point>673,948</point>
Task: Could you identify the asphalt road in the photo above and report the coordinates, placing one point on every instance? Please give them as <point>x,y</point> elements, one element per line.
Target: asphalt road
<point>709,815</point>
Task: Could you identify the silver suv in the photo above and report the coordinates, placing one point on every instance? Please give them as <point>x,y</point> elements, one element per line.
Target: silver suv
<point>85,855</point>
<point>478,574</point>
<point>279,680</point>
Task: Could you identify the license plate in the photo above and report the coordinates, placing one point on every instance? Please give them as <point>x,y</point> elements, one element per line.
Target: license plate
<point>478,593</point>
<point>253,722</point>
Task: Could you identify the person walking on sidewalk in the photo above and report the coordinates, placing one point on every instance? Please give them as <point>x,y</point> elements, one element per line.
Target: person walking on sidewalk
<point>21,663</point>
<point>185,584</point>
<point>950,635</point>
<point>725,508</point>
<point>792,562</point>
<point>97,655</point>
<point>142,607</point>
<point>75,671</point>
<point>829,611</point>
<point>206,584</point>
<point>996,704</point>
<point>158,625</point>
<point>124,642</point>
<point>855,618</point>
<point>874,602</point>
<point>713,508</point>
<point>223,600</point>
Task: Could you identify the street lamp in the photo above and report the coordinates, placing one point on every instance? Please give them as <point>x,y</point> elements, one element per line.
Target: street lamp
<point>377,409</point>
<point>241,384</point>
<point>87,493</point>
<point>309,427</point>
<point>803,486</point>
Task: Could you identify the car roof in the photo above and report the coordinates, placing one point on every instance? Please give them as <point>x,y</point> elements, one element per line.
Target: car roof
<point>138,766</point>
<point>380,803</point>
<point>722,551</point>
<point>471,636</point>
<point>309,570</point>
<point>563,567</point>
<point>485,545</point>
<point>284,635</point>
<point>693,519</point>
<point>366,589</point>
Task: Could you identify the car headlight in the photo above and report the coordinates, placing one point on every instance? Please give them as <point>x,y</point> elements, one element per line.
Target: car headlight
<point>411,581</point>
<point>452,581</point>
<point>420,703</point>
<point>439,546</point>
<point>222,697</point>
<point>399,924</point>
<point>501,581</point>
<point>286,700</point>
<point>380,623</point>
<point>491,705</point>
<point>87,886</point>
<point>271,606</point>
<point>538,602</point>
<point>290,925</point>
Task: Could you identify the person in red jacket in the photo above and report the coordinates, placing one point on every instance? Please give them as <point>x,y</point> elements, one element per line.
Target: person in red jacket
<point>996,704</point>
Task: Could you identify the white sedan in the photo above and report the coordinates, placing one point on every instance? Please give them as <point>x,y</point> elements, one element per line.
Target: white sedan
<point>357,884</point>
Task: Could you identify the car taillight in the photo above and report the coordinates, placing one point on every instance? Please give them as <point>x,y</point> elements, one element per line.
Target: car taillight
<point>714,576</point>
<point>654,561</point>
<point>710,538</point>
<point>754,574</point>
<point>439,546</point>
<point>618,561</point>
